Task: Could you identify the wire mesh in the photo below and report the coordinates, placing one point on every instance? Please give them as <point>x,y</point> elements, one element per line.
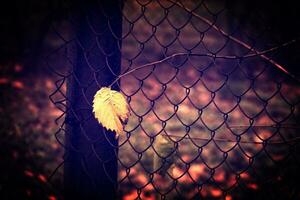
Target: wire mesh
<point>213,115</point>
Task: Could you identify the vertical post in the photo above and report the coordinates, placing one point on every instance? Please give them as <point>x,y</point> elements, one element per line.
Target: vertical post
<point>90,170</point>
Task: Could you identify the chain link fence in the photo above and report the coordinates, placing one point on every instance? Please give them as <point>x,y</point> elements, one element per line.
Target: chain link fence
<point>213,115</point>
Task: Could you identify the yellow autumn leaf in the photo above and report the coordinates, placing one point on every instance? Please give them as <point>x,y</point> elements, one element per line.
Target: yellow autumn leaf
<point>111,109</point>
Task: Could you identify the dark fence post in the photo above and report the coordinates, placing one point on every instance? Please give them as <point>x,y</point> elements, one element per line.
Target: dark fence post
<point>90,170</point>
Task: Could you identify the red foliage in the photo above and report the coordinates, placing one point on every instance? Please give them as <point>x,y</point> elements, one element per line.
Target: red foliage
<point>228,197</point>
<point>28,173</point>
<point>245,176</point>
<point>252,186</point>
<point>216,192</point>
<point>52,197</point>
<point>42,178</point>
<point>4,81</point>
<point>18,84</point>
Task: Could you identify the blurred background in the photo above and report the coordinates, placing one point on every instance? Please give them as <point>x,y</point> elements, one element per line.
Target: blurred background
<point>29,151</point>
